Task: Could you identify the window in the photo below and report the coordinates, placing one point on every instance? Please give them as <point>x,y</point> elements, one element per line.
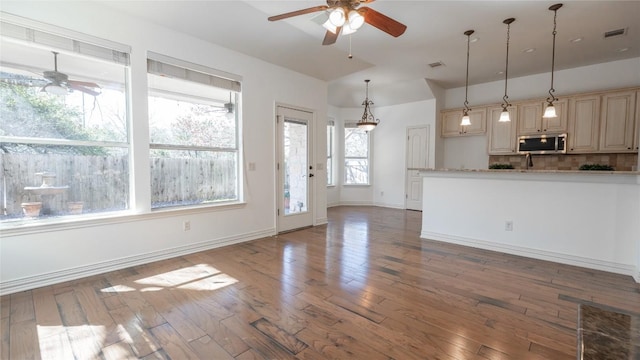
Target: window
<point>193,128</point>
<point>356,155</point>
<point>64,144</point>
<point>331,132</point>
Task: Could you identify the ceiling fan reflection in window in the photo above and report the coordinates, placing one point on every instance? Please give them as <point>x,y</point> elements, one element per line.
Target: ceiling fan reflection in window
<point>345,16</point>
<point>53,82</point>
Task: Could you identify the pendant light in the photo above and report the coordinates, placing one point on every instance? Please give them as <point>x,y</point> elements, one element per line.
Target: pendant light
<point>466,121</point>
<point>368,121</point>
<point>504,116</point>
<point>550,111</point>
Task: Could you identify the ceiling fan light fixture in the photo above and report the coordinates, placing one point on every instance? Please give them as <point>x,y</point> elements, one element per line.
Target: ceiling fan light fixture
<point>230,108</point>
<point>329,26</point>
<point>355,20</point>
<point>337,17</point>
<point>368,122</point>
<point>347,30</point>
<point>55,89</point>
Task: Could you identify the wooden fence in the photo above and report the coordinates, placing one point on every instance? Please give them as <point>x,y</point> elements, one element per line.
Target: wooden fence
<point>101,183</point>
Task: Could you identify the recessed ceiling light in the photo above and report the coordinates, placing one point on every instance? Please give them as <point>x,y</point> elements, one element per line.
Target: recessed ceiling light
<point>622,49</point>
<point>529,50</point>
<point>576,40</point>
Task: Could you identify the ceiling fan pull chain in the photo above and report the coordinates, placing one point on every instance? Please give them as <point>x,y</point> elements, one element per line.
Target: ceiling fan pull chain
<point>350,56</point>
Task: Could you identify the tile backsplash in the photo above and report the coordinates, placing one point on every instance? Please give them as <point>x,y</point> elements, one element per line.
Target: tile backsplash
<point>620,162</point>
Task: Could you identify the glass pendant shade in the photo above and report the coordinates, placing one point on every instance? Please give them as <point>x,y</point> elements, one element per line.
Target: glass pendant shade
<point>504,116</point>
<point>367,126</point>
<point>550,112</point>
<point>466,121</point>
<point>329,26</point>
<point>347,29</point>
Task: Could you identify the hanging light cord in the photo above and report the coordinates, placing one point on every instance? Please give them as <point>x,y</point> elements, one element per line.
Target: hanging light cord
<point>552,97</point>
<point>466,88</point>
<point>506,70</point>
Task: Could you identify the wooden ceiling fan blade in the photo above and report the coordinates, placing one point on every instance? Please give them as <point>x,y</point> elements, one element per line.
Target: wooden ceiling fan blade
<point>298,12</point>
<point>382,22</point>
<point>330,38</point>
<point>84,83</point>
<point>86,90</point>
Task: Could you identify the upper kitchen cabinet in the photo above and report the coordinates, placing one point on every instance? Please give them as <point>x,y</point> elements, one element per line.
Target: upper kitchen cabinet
<point>530,120</point>
<point>636,142</point>
<point>617,122</point>
<point>584,124</point>
<point>451,123</point>
<point>502,135</point>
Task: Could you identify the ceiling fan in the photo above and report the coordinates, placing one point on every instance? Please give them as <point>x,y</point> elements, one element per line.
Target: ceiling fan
<point>345,16</point>
<point>54,82</point>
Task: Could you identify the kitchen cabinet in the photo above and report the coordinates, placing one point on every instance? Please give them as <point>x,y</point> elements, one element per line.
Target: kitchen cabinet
<point>617,122</point>
<point>636,141</point>
<point>583,124</point>
<point>451,123</point>
<point>530,120</point>
<point>502,135</point>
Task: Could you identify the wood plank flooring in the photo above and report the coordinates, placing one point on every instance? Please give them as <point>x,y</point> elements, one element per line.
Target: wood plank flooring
<point>363,287</point>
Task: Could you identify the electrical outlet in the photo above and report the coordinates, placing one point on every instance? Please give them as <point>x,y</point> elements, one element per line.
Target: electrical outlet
<point>508,225</point>
<point>186,226</point>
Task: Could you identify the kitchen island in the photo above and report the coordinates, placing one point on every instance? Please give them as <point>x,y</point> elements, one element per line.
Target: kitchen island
<point>584,218</point>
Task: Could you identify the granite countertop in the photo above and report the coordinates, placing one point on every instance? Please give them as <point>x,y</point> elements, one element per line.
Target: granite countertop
<point>581,172</point>
<point>604,334</point>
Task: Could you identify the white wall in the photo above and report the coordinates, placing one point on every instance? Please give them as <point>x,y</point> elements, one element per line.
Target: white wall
<point>388,152</point>
<point>586,220</point>
<point>390,148</point>
<point>31,258</point>
<point>471,152</point>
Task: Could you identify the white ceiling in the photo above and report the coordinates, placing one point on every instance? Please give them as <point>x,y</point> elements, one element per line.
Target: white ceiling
<point>398,67</point>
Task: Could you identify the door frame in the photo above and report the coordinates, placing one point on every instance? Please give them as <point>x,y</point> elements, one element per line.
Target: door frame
<point>279,166</point>
<point>406,170</point>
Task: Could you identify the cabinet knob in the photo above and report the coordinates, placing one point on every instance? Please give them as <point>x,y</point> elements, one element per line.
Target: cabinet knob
<point>538,130</point>
<point>628,148</point>
<point>544,130</point>
<point>571,149</point>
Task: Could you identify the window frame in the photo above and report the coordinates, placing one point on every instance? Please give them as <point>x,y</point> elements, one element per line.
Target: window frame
<point>353,126</point>
<point>331,149</point>
<point>202,76</point>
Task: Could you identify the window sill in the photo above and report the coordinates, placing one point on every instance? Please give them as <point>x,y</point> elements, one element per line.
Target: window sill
<point>356,185</point>
<point>35,226</point>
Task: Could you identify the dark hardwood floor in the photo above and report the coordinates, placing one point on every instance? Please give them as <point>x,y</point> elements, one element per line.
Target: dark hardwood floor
<point>363,287</point>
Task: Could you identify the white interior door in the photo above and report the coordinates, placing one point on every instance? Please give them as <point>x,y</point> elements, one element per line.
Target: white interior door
<point>295,170</point>
<point>417,158</point>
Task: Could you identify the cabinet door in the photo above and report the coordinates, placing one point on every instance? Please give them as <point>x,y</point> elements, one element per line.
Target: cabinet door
<point>583,132</point>
<point>617,122</point>
<point>557,124</point>
<point>502,135</point>
<point>636,142</point>
<point>530,118</point>
<point>451,123</point>
<point>478,118</point>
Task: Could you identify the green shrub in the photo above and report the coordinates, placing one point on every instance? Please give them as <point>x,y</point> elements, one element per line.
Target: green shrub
<point>597,167</point>
<point>500,166</point>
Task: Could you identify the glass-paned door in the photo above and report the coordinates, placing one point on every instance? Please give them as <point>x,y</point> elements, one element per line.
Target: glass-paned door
<point>295,170</point>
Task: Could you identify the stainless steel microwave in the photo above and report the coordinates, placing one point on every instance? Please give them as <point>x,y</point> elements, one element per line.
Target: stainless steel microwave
<point>543,144</point>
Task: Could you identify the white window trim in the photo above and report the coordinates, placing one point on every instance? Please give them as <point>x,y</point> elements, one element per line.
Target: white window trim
<point>351,125</point>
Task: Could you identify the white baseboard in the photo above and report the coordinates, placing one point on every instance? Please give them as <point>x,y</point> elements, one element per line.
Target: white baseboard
<point>36,281</point>
<point>537,254</point>
<point>322,221</point>
<point>391,206</point>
